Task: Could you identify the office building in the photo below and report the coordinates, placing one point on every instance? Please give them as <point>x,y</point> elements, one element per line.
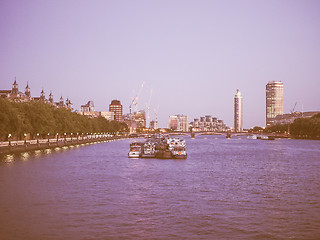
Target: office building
<point>116,107</point>
<point>179,123</point>
<point>274,101</point>
<point>208,124</point>
<point>107,115</point>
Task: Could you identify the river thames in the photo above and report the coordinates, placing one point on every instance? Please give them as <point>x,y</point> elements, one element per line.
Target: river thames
<point>234,188</point>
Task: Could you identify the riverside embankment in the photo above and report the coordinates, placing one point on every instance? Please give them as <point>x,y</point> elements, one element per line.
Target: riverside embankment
<point>10,147</point>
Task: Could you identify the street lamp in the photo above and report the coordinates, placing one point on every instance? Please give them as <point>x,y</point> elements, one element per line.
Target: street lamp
<point>9,139</point>
<point>38,138</point>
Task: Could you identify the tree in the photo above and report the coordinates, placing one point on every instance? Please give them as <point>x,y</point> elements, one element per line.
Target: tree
<point>38,117</point>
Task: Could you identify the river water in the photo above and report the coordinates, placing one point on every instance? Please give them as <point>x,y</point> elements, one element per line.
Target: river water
<point>226,189</point>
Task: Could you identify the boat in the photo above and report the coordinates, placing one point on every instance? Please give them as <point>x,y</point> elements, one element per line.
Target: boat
<point>179,152</point>
<point>164,154</point>
<point>135,150</point>
<point>176,141</point>
<point>149,150</point>
<point>264,137</point>
<point>252,136</point>
<point>163,147</point>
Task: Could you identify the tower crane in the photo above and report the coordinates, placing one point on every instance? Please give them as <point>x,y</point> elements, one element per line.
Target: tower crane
<point>136,98</point>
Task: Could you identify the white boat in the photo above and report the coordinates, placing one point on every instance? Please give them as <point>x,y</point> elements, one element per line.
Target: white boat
<point>263,137</point>
<point>135,151</point>
<point>252,136</point>
<point>149,150</point>
<point>179,152</point>
<point>175,142</point>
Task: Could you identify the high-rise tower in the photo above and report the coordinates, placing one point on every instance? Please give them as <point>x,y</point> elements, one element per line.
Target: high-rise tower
<point>116,107</point>
<point>274,101</point>
<point>238,112</point>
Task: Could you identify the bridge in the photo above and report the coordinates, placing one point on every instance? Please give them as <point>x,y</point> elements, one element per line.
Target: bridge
<point>208,133</point>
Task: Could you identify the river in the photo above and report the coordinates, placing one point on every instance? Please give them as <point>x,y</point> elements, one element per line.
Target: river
<point>226,189</point>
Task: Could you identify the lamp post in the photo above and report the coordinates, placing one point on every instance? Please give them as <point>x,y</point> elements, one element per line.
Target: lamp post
<point>37,138</point>
<point>48,138</point>
<point>9,139</point>
<point>25,138</point>
<point>71,137</point>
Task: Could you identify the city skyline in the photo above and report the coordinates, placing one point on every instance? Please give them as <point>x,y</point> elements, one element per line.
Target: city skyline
<point>191,55</point>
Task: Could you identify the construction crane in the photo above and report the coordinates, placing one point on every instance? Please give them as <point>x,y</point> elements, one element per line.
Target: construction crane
<point>148,108</point>
<point>136,98</point>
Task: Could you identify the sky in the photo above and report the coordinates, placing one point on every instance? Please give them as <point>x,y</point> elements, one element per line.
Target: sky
<point>192,55</point>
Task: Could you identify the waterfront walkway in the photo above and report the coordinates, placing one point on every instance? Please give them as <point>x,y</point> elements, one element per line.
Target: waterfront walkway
<point>38,144</point>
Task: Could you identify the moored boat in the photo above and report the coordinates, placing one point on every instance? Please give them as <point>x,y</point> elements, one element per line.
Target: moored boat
<point>149,150</point>
<point>159,147</point>
<point>164,154</point>
<point>135,150</point>
<point>264,137</point>
<point>252,136</point>
<point>179,152</point>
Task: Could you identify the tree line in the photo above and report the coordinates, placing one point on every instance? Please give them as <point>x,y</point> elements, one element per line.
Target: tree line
<point>300,128</point>
<point>34,117</point>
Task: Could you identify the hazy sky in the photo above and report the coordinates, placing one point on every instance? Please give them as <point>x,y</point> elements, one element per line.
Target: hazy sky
<point>194,55</point>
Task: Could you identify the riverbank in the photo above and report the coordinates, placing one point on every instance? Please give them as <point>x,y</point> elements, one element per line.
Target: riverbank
<point>33,145</point>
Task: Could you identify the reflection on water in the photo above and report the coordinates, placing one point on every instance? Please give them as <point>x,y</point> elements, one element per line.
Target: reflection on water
<point>47,151</point>
<point>37,153</point>
<point>227,189</point>
<point>25,156</point>
<point>9,158</point>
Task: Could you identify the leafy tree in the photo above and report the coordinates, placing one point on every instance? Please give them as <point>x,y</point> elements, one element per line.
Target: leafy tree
<point>35,117</point>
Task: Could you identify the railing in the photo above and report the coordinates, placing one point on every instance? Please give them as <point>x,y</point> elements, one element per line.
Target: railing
<point>42,143</point>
